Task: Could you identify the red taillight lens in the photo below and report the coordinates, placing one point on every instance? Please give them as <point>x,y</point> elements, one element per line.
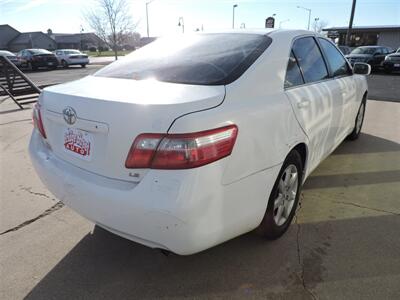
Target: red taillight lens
<point>181,151</point>
<point>37,120</point>
<point>143,150</point>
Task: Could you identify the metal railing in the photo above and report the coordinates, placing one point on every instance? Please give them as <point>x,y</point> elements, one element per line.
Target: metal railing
<point>15,85</point>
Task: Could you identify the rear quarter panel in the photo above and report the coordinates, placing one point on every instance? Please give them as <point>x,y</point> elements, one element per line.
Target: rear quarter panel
<point>256,103</point>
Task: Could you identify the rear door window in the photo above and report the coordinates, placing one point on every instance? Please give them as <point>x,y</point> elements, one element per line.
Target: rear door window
<point>310,59</point>
<point>202,59</point>
<point>336,61</point>
<point>293,73</point>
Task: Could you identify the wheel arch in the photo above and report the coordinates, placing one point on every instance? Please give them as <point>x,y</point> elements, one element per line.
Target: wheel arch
<point>302,149</point>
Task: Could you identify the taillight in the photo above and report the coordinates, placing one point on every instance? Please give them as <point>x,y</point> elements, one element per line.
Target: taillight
<point>37,119</point>
<point>181,151</point>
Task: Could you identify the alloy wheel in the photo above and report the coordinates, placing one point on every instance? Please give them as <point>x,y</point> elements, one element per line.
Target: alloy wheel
<point>287,191</point>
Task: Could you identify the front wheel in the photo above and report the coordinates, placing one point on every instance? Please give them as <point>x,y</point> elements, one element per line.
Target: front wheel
<point>284,198</point>
<point>358,122</point>
<point>83,65</point>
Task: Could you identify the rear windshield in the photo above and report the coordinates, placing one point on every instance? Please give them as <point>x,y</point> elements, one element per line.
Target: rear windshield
<point>200,59</point>
<point>39,51</point>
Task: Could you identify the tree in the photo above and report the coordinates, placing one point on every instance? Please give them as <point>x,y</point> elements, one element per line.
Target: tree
<point>319,25</point>
<point>111,20</point>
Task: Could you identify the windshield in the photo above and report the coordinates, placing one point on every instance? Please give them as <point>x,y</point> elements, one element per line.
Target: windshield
<point>39,51</point>
<point>203,59</point>
<point>363,50</point>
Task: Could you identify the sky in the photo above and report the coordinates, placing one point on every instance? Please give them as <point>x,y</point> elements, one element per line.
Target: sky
<point>66,16</point>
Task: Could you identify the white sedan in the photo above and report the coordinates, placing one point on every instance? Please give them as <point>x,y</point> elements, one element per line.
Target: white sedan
<point>196,139</point>
<point>69,57</point>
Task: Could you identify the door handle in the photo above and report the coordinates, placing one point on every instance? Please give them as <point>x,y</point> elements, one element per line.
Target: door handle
<point>303,103</point>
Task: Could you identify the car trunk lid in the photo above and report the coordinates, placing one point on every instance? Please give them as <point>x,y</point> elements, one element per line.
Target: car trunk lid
<point>110,113</point>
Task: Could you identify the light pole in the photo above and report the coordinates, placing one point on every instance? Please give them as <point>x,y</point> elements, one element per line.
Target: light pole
<point>233,15</point>
<point>81,31</point>
<point>182,23</point>
<point>309,15</point>
<point>147,16</point>
<point>281,22</point>
<point>316,23</point>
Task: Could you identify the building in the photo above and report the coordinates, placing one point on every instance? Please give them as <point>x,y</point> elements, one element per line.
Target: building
<point>14,41</point>
<point>27,40</point>
<point>367,35</point>
<point>83,41</point>
<point>7,33</point>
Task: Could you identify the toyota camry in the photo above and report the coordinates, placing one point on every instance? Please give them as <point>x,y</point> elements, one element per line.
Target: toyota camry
<point>196,139</point>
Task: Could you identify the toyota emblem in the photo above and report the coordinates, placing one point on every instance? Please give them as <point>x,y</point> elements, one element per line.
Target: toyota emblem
<point>69,115</point>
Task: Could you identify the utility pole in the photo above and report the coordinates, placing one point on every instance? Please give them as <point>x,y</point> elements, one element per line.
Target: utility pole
<point>353,8</point>
<point>233,15</point>
<point>147,16</point>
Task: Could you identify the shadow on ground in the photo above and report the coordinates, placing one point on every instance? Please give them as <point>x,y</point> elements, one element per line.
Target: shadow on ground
<point>343,258</point>
<point>103,265</point>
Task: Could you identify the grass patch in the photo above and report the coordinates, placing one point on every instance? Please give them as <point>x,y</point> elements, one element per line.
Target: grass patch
<point>107,53</point>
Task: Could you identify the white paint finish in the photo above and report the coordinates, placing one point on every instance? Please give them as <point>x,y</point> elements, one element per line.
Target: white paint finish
<point>187,211</point>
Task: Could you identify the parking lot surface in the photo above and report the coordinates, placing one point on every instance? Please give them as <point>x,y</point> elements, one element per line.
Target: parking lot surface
<point>344,242</point>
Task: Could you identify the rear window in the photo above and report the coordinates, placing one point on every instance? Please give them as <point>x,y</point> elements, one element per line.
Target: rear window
<point>39,51</point>
<point>200,59</point>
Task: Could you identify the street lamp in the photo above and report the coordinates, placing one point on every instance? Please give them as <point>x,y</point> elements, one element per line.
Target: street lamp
<point>309,15</point>
<point>147,16</point>
<point>316,23</point>
<point>233,15</point>
<point>182,23</point>
<point>281,22</point>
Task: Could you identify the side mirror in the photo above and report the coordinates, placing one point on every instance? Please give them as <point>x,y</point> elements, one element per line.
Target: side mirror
<point>361,68</point>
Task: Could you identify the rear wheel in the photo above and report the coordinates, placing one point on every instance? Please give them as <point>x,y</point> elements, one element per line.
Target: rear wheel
<point>32,67</point>
<point>284,198</point>
<point>358,122</point>
<point>83,65</point>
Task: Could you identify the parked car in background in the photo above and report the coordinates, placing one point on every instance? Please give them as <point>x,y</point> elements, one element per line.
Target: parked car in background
<point>34,59</point>
<point>11,56</point>
<point>392,62</point>
<point>193,139</point>
<point>69,57</point>
<point>372,55</point>
<point>345,49</point>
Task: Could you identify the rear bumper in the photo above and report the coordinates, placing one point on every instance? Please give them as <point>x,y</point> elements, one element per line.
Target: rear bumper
<point>184,211</point>
<point>78,61</point>
<point>45,64</point>
<point>391,65</point>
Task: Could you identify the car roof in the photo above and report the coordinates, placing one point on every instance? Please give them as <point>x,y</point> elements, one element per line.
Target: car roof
<point>267,31</point>
<point>373,46</point>
<point>6,52</point>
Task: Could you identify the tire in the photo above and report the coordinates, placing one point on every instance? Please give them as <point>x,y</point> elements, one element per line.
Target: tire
<point>64,64</point>
<point>388,70</point>
<point>358,121</point>
<point>273,226</point>
<point>83,65</point>
<point>32,67</point>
